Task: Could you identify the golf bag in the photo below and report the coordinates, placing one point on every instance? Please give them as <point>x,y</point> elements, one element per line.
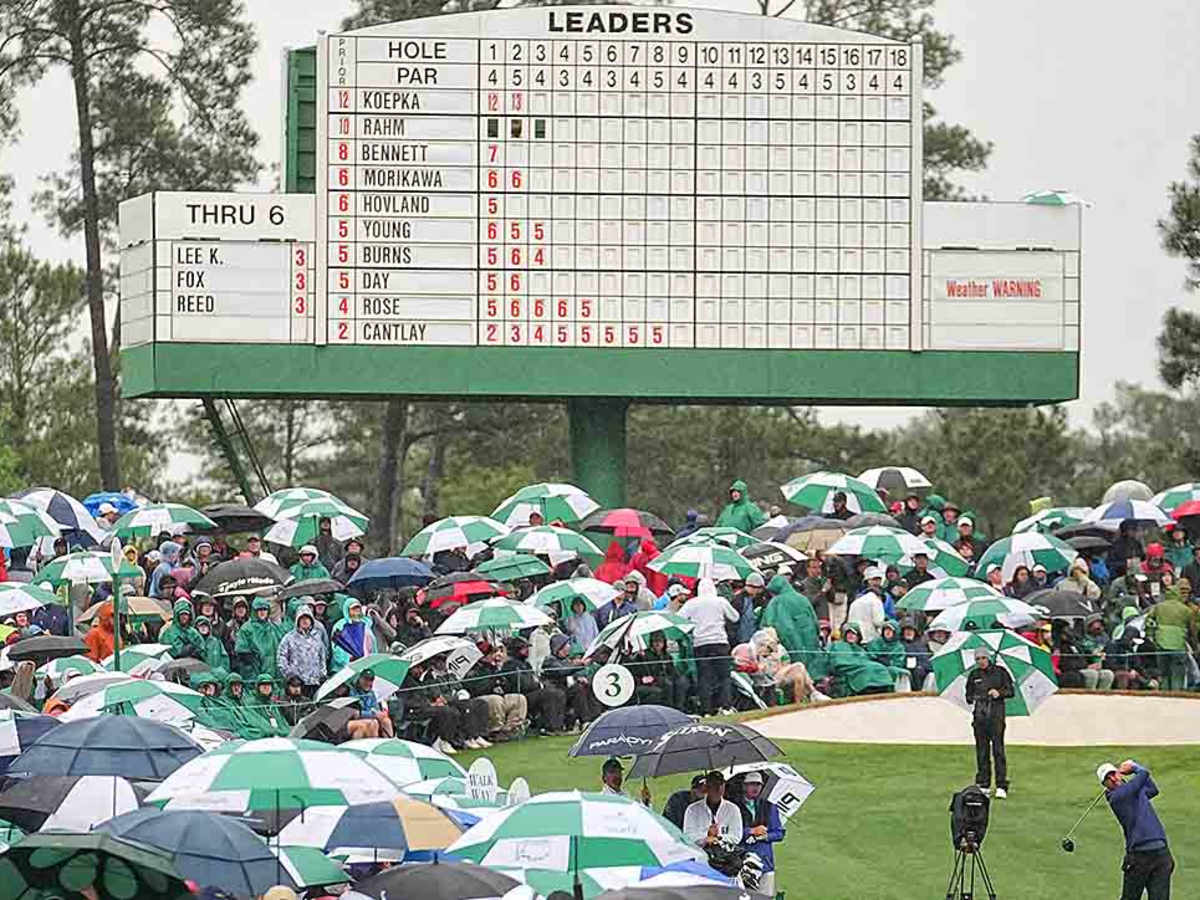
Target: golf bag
<point>969,818</point>
<point>735,861</point>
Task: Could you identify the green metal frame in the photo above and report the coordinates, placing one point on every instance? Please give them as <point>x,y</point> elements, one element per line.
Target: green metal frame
<point>300,121</point>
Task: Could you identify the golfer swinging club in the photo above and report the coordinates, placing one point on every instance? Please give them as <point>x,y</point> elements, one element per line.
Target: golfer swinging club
<point>1148,863</point>
<point>988,686</point>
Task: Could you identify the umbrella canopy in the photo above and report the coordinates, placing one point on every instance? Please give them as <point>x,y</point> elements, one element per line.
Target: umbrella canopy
<point>943,559</point>
<point>390,672</point>
<point>389,573</point>
<point>234,518</point>
<point>121,502</point>
<point>816,492</point>
<point>1029,665</point>
<point>715,561</point>
<point>1130,489</point>
<point>164,701</point>
<point>633,630</point>
<point>726,536</point>
<point>23,524</point>
<point>592,591</point>
<point>460,587</point>
<point>782,785</point>
<point>626,523</point>
<point>271,775</point>
<point>675,892</point>
<point>702,747</point>
<point>1052,519</point>
<point>461,654</point>
<point>551,541</point>
<point>628,730</point>
<point>1057,197</point>
<point>946,592</point>
<point>898,481</point>
<point>82,685</point>
<point>1087,542</point>
<point>8,701</point>
<point>326,721</point>
<point>45,647</point>
<point>1176,496</point>
<point>242,577</point>
<point>554,502</point>
<point>275,501</point>
<point>471,533</point>
<point>1106,530</point>
<point>140,659</point>
<point>437,881</point>
<point>310,587</point>
<point>452,793</point>
<point>988,612</point>
<point>395,830</point>
<point>1055,604</point>
<point>879,543</point>
<point>811,533</point>
<point>572,830</point>
<point>135,748</point>
<point>510,566</point>
<point>1027,549</point>
<point>18,731</point>
<point>494,614</point>
<point>78,525</point>
<point>1127,510</point>
<point>133,609</point>
<point>16,597</point>
<point>57,669</point>
<point>309,867</point>
<point>9,835</point>
<point>865,520</point>
<point>298,525</point>
<point>70,802</point>
<point>155,518</point>
<point>769,555</point>
<point>85,567</point>
<point>110,868</point>
<point>404,762</point>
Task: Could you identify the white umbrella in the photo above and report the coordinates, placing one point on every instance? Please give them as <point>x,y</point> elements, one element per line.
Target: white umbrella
<point>461,654</point>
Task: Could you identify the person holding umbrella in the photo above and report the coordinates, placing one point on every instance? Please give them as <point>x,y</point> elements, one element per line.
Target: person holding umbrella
<point>988,686</point>
<point>1148,863</point>
<point>761,827</point>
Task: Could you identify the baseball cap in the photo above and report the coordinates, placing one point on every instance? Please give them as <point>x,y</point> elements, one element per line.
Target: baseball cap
<point>106,508</point>
<point>1104,770</point>
<point>1038,567</point>
<point>753,778</point>
<point>308,548</point>
<point>992,567</point>
<point>875,572</point>
<point>676,590</point>
<point>754,579</point>
<point>965,520</point>
<point>612,764</point>
<point>698,781</point>
<point>982,653</point>
<point>928,518</point>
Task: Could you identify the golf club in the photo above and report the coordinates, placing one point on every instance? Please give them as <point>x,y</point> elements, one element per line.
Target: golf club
<point>1068,844</point>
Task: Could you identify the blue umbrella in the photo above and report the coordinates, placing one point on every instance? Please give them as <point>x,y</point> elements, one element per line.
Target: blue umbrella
<point>628,730</point>
<point>18,730</point>
<point>392,572</point>
<point>212,850</point>
<point>686,867</point>
<point>122,503</point>
<point>128,746</point>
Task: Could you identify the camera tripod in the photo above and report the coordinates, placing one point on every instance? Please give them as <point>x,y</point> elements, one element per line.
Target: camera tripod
<point>962,877</point>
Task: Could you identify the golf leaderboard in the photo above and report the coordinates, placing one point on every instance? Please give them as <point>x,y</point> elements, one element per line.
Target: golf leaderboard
<point>617,178</point>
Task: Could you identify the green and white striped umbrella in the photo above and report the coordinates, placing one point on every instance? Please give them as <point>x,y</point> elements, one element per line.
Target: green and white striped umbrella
<point>1056,197</point>
<point>1052,519</point>
<point>878,542</point>
<point>15,597</point>
<point>85,567</point>
<point>715,561</point>
<point>9,835</point>
<point>469,532</point>
<point>276,500</point>
<point>984,613</point>
<point>165,701</point>
<point>944,560</point>
<point>636,628</point>
<point>508,565</point>
<point>592,591</point>
<point>141,659</point>
<point>452,792</point>
<point>1027,549</point>
<point>946,592</point>
<point>555,543</point>
<point>56,670</point>
<point>497,614</point>
<point>572,830</point>
<point>271,774</point>
<point>308,866</point>
<point>1029,665</point>
<point>724,535</point>
<point>405,762</point>
<point>299,524</point>
<point>1176,496</point>
<point>593,882</point>
<point>556,502</point>
<point>816,492</point>
<point>389,670</point>
<point>155,518</point>
<point>23,524</point>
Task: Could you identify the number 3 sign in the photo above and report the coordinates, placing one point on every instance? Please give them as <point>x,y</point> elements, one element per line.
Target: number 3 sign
<point>612,684</point>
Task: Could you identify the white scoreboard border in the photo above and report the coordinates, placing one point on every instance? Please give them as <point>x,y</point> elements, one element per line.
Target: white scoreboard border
<point>916,122</point>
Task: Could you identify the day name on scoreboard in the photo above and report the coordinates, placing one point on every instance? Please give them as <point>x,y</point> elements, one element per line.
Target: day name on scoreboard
<point>595,177</point>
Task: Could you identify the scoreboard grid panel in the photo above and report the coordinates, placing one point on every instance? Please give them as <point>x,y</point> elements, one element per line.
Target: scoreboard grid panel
<point>812,300</point>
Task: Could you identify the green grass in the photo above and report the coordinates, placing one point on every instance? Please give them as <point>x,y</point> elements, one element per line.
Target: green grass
<point>877,827</point>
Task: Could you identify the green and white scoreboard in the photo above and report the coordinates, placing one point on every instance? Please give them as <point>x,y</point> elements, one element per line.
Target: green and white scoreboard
<point>605,202</point>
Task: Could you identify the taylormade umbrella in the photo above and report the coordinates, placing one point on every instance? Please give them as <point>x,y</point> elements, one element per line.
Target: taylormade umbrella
<point>702,747</point>
<point>628,730</point>
<point>471,533</point>
<point>1029,665</point>
<point>879,543</point>
<point>985,613</point>
<point>555,502</point>
<point>946,592</point>
<point>1127,510</point>
<point>592,591</point>
<point>128,746</point>
<point>1052,519</point>
<point>551,541</point>
<point>1027,549</point>
<point>1176,496</point>
<point>242,577</point>
<point>397,830</point>
<point>816,492</point>
<point>389,672</point>
<point>155,518</point>
<point>497,614</point>
<point>715,561</point>
<point>511,566</point>
<point>898,481</point>
<point>404,762</point>
<point>461,654</point>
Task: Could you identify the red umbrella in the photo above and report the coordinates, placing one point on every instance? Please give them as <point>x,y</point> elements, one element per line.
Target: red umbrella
<point>459,587</point>
<point>1191,508</point>
<point>626,522</point>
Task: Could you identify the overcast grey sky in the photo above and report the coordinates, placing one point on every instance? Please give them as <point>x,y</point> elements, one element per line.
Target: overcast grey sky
<point>1072,96</point>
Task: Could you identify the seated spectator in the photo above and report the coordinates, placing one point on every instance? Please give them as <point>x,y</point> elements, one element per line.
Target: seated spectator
<point>917,656</point>
<point>855,671</point>
<point>766,662</point>
<point>364,692</point>
<point>1079,581</point>
<point>1095,644</point>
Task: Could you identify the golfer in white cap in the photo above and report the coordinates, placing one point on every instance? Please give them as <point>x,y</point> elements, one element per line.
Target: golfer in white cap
<point>988,686</point>
<point>1148,863</point>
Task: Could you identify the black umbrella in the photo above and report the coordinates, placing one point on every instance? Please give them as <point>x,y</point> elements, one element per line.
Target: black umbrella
<point>703,747</point>
<point>186,666</point>
<point>770,555</point>
<point>867,519</point>
<point>327,720</point>
<point>1061,604</point>
<point>235,518</point>
<point>45,647</point>
<point>128,746</point>
<point>437,881</point>
<point>62,865</point>
<point>310,587</point>
<point>76,800</point>
<point>691,892</point>
<point>1107,530</point>
<point>628,730</point>
<point>244,576</point>
<point>1087,542</point>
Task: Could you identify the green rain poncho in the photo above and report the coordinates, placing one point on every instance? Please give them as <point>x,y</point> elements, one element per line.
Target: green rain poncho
<point>889,653</point>
<point>743,513</point>
<point>854,669</point>
<point>262,717</point>
<point>184,640</point>
<point>215,712</point>
<point>795,623</point>
<point>214,651</point>
<point>257,644</point>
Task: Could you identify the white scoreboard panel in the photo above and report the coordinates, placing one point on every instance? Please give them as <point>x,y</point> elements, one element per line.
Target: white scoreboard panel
<point>618,177</point>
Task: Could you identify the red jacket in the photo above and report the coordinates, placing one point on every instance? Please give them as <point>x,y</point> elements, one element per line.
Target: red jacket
<point>614,567</point>
<point>655,581</point>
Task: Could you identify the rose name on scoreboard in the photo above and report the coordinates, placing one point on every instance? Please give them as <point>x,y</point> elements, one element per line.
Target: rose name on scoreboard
<point>587,177</point>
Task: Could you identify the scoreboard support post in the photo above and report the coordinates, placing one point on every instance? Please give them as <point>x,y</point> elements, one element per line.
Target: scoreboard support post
<point>597,434</point>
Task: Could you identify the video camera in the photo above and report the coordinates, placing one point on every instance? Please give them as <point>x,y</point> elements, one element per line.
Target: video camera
<point>969,818</point>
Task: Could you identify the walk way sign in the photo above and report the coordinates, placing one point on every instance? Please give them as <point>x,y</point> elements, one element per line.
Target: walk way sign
<point>575,202</point>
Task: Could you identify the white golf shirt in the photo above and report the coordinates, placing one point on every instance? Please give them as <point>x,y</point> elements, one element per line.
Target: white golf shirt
<point>699,816</point>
